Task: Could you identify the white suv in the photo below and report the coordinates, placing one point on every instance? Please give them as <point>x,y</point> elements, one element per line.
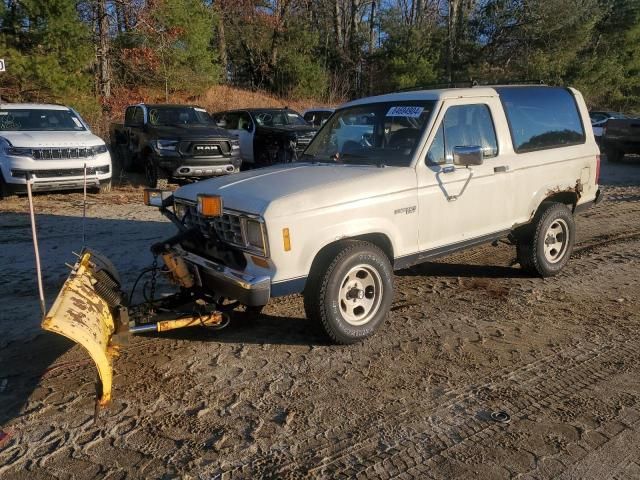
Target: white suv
<point>424,174</point>
<point>51,144</point>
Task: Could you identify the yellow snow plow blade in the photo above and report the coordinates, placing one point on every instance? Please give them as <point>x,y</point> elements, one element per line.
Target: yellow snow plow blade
<point>81,315</point>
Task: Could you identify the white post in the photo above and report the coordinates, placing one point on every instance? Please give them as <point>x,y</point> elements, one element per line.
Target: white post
<point>35,246</point>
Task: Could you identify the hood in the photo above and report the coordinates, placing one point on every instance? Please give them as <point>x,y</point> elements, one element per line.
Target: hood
<point>52,139</point>
<point>187,132</point>
<point>287,189</point>
<point>290,128</point>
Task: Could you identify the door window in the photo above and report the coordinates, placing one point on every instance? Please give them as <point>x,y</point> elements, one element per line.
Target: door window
<point>231,120</point>
<point>138,116</point>
<point>128,116</point>
<point>244,122</point>
<point>464,126</point>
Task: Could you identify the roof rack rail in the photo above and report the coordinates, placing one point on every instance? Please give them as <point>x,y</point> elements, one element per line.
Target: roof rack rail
<point>470,84</point>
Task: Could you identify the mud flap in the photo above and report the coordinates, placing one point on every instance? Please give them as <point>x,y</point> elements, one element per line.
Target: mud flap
<point>82,315</point>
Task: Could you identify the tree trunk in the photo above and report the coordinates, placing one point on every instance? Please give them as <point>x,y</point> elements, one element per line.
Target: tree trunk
<point>452,22</point>
<point>337,24</point>
<point>372,43</point>
<point>222,46</point>
<point>104,73</point>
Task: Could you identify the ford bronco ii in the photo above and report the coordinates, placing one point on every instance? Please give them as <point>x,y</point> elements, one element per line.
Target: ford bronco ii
<point>389,182</point>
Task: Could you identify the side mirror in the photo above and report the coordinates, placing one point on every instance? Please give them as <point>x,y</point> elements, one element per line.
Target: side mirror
<point>468,156</point>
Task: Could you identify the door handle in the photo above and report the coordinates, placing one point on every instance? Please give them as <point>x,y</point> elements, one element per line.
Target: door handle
<point>501,169</point>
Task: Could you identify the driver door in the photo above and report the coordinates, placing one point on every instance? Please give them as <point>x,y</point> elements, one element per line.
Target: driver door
<point>241,125</point>
<point>463,205</point>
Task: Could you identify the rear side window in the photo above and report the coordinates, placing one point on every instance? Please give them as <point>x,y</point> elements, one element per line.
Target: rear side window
<point>541,118</point>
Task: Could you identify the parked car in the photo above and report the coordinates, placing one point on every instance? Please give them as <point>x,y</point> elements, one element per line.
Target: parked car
<point>174,142</point>
<point>52,145</point>
<point>620,137</point>
<point>432,173</point>
<point>267,135</point>
<point>317,116</point>
<point>599,119</point>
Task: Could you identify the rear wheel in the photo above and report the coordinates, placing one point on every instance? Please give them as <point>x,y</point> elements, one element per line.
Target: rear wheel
<point>545,246</point>
<point>155,176</point>
<point>349,291</point>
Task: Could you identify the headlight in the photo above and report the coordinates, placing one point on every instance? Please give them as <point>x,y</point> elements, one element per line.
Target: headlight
<point>19,151</point>
<point>100,149</point>
<point>170,145</point>
<point>235,144</point>
<point>255,235</point>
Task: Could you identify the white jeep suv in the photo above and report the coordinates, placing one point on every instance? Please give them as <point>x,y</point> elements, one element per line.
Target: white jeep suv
<point>51,144</point>
<point>426,173</point>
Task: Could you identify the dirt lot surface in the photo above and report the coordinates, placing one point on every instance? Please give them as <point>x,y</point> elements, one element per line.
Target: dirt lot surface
<point>466,337</point>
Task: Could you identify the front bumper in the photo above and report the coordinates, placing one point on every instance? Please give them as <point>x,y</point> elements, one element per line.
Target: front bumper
<point>188,171</point>
<point>55,174</point>
<point>248,289</point>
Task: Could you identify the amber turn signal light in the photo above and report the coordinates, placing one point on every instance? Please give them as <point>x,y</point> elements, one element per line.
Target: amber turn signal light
<point>286,239</point>
<point>155,197</point>
<point>210,205</point>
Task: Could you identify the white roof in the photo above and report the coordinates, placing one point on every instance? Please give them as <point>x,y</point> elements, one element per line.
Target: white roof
<point>319,109</point>
<point>31,106</point>
<point>436,95</point>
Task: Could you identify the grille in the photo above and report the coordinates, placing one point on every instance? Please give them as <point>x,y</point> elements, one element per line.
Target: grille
<point>303,140</point>
<point>61,172</point>
<point>57,153</point>
<point>214,148</point>
<point>229,228</point>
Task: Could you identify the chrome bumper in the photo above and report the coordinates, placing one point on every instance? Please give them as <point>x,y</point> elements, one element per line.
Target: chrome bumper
<point>234,284</point>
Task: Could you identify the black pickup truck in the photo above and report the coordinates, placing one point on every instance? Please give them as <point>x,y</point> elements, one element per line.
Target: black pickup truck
<point>619,137</point>
<point>174,142</point>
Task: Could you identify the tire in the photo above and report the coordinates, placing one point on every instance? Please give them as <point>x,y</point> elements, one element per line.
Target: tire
<point>105,186</point>
<point>545,246</point>
<point>5,192</point>
<point>349,291</point>
<point>155,177</point>
<point>614,155</point>
<point>284,156</point>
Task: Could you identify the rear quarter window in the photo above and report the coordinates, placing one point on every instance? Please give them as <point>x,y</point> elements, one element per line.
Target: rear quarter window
<point>541,118</point>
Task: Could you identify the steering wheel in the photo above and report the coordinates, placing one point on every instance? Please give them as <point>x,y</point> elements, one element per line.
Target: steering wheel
<point>405,138</point>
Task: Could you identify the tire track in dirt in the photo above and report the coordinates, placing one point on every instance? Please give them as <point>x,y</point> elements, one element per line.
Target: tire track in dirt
<point>359,446</point>
<point>337,440</point>
<point>543,392</point>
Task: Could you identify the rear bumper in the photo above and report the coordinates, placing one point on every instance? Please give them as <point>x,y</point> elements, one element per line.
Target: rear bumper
<point>248,289</point>
<point>585,206</point>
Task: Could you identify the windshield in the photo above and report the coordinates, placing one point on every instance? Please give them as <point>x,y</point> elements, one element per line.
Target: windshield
<point>378,133</point>
<point>278,118</point>
<point>36,120</point>
<point>159,116</point>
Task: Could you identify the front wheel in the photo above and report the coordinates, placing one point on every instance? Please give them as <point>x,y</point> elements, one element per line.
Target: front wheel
<point>155,176</point>
<point>349,291</point>
<point>5,192</point>
<point>105,186</point>
<point>544,249</point>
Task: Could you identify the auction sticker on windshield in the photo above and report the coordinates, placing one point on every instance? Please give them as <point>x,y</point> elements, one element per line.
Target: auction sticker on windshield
<point>411,112</point>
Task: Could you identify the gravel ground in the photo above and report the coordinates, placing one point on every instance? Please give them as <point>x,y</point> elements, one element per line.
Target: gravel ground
<point>270,398</point>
